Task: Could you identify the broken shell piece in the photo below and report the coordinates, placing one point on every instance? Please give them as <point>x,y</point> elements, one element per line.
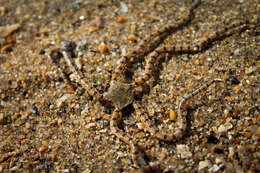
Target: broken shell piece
<point>7,30</point>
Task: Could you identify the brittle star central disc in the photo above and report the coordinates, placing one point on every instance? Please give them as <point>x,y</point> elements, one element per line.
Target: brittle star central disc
<point>120,94</point>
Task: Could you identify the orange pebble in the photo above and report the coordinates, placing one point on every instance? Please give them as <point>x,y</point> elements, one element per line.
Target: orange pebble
<point>172,114</point>
<point>7,48</point>
<point>205,37</point>
<point>131,37</point>
<point>248,135</point>
<point>186,106</point>
<point>9,39</point>
<point>121,19</point>
<point>197,62</point>
<point>196,156</point>
<point>102,48</point>
<point>37,34</point>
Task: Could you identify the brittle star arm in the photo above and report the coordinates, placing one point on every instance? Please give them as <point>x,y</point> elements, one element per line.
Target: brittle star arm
<point>182,113</point>
<point>85,83</point>
<point>143,49</point>
<point>220,34</point>
<point>151,42</point>
<point>154,58</point>
<point>151,66</point>
<point>137,157</point>
<point>116,115</point>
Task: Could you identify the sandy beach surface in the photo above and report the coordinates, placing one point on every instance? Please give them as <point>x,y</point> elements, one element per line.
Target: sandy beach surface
<point>49,123</point>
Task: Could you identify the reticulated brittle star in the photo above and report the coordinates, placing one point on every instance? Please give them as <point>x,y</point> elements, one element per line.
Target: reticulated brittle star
<point>121,93</point>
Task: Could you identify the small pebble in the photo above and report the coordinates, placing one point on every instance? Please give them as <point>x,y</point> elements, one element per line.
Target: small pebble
<point>212,139</point>
<point>45,143</point>
<point>63,99</point>
<point>197,62</point>
<point>70,46</point>
<point>186,106</point>
<point>214,168</point>
<point>81,17</point>
<point>59,121</point>
<point>27,125</point>
<point>218,160</point>
<point>10,40</point>
<point>225,127</point>
<point>237,89</point>
<point>203,164</point>
<point>237,52</point>
<point>226,112</point>
<point>131,37</point>
<point>121,19</point>
<point>100,22</point>
<point>172,114</point>
<point>37,34</point>
<point>163,156</point>
<point>56,55</point>
<point>42,52</point>
<point>249,70</point>
<point>90,125</point>
<point>248,135</point>
<point>234,80</point>
<point>7,48</point>
<point>124,7</point>
<point>102,48</point>
<point>218,150</point>
<point>51,107</point>
<point>184,151</point>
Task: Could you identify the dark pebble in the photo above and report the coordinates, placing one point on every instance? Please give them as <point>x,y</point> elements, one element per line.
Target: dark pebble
<point>218,151</point>
<point>35,109</point>
<point>234,80</point>
<point>42,52</point>
<point>70,47</point>
<point>212,139</point>
<point>56,55</point>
